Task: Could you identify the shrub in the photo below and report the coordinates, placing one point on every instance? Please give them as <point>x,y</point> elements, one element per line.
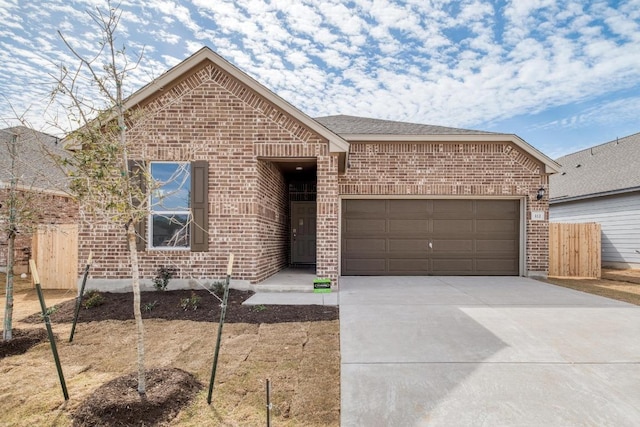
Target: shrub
<point>163,276</point>
<point>258,308</point>
<point>190,303</point>
<point>150,306</point>
<point>217,287</point>
<point>50,311</point>
<point>92,299</point>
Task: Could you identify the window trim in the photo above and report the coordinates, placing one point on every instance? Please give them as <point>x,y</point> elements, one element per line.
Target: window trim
<point>167,213</point>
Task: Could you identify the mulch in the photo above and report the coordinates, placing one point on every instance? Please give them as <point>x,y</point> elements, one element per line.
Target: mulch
<point>21,341</point>
<point>118,403</point>
<point>178,305</point>
<point>168,390</point>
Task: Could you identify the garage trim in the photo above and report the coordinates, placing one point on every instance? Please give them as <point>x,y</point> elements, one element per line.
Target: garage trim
<point>522,225</point>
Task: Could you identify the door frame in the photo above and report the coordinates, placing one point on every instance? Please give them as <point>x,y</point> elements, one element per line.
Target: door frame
<point>291,217</point>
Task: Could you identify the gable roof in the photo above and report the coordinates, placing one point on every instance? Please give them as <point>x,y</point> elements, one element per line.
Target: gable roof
<point>362,129</point>
<point>352,125</point>
<point>338,130</point>
<point>35,166</point>
<point>609,168</point>
<point>336,143</point>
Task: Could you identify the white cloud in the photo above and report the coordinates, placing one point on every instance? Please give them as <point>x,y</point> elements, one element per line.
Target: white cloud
<point>451,63</point>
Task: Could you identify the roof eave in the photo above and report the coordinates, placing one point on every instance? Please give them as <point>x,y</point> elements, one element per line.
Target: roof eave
<point>550,165</point>
<point>336,143</point>
<point>593,195</point>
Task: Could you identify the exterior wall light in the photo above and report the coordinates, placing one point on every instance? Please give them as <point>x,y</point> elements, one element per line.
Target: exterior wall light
<point>540,194</point>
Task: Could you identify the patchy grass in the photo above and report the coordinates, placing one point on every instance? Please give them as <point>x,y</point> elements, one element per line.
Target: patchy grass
<point>19,284</point>
<point>302,360</point>
<point>614,289</point>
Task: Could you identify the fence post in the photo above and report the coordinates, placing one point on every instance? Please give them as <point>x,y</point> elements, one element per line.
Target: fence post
<point>47,322</point>
<point>223,310</point>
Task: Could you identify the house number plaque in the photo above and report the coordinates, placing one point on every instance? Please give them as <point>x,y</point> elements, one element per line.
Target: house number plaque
<point>537,215</point>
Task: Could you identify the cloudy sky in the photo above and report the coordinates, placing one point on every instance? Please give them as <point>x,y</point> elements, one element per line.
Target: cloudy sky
<point>562,74</point>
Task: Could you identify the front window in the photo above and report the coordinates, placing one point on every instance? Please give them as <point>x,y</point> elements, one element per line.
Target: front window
<point>170,205</point>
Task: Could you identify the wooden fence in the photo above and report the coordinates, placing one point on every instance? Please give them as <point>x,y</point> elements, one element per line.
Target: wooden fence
<point>55,251</point>
<point>574,250</point>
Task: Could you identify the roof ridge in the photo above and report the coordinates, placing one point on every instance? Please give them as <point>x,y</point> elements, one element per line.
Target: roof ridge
<point>398,122</point>
<point>613,142</point>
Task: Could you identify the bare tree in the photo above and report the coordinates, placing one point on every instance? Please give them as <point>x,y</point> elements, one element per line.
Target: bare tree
<point>10,229</point>
<point>26,175</point>
<point>102,178</point>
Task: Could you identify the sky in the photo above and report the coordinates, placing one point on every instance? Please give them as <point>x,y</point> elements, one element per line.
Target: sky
<point>563,75</point>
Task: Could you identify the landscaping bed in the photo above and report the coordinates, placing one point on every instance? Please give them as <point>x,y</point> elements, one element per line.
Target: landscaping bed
<point>295,347</point>
<point>198,306</point>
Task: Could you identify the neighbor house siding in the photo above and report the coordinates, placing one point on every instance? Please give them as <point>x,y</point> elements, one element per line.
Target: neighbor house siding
<point>619,217</point>
<point>467,170</point>
<point>47,208</point>
<point>209,115</point>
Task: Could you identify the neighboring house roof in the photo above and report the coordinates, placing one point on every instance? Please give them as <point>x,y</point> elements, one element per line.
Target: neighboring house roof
<point>35,164</point>
<point>605,169</point>
<point>362,129</point>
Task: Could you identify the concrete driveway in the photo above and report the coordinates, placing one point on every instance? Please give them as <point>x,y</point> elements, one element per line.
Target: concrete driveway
<point>485,351</point>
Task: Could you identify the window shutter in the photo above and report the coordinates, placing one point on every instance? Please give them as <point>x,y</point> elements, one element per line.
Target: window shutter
<point>137,170</point>
<point>199,206</point>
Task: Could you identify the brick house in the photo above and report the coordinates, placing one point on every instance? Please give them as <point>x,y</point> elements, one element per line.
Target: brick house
<point>350,195</point>
<point>40,184</point>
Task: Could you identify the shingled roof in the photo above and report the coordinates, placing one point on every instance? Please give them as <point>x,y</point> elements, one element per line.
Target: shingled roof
<point>348,125</point>
<point>35,165</point>
<point>363,129</point>
<point>610,168</point>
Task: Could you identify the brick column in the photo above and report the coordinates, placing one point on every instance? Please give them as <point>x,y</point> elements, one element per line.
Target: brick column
<point>327,218</point>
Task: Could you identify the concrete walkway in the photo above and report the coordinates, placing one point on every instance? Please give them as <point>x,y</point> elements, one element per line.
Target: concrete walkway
<point>291,286</point>
<point>500,351</point>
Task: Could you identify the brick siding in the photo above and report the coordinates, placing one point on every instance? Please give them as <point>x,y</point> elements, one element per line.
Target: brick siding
<point>210,115</point>
<point>467,170</point>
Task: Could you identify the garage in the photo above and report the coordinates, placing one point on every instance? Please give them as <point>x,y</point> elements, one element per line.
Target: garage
<point>430,237</point>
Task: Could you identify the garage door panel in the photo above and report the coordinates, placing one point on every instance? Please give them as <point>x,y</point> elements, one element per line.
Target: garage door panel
<point>407,208</point>
<point>444,246</point>
<point>417,246</point>
<point>408,266</point>
<point>363,208</point>
<point>408,226</point>
<point>468,237</point>
<point>458,266</point>
<point>367,266</point>
<point>499,208</point>
<point>496,225</point>
<point>447,226</point>
<point>496,266</point>
<point>365,245</point>
<point>505,245</point>
<point>365,226</point>
<point>453,206</point>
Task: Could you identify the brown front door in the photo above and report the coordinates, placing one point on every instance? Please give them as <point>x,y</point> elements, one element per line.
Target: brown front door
<point>303,232</point>
<point>430,237</point>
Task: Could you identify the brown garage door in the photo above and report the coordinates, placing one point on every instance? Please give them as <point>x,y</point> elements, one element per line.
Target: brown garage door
<point>430,237</point>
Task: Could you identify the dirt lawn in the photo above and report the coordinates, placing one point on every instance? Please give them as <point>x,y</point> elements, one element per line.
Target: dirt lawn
<point>302,360</point>
<point>622,289</point>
